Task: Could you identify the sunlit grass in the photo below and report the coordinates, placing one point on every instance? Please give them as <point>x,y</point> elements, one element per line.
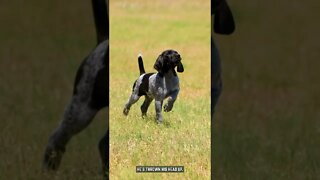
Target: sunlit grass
<point>184,137</point>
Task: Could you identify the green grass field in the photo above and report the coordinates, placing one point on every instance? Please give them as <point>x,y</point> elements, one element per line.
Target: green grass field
<point>184,137</point>
<point>267,120</point>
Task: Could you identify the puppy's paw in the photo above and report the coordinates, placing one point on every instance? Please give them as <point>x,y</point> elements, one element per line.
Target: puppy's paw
<point>126,111</point>
<point>52,159</point>
<point>167,107</point>
<point>159,119</point>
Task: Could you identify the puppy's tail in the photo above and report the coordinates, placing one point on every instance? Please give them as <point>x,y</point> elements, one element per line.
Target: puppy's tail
<point>140,62</point>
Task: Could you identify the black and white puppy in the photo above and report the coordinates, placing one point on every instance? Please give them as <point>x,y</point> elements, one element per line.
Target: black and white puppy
<point>159,86</point>
<point>90,95</point>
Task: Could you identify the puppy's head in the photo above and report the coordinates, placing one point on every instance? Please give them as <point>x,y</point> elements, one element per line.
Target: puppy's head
<point>167,61</point>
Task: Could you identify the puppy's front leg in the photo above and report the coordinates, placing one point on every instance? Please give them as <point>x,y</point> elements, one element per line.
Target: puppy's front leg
<point>171,99</point>
<point>158,105</point>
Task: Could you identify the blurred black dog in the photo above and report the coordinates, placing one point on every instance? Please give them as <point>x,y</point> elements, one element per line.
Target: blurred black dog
<point>158,86</point>
<point>90,94</point>
<point>223,24</point>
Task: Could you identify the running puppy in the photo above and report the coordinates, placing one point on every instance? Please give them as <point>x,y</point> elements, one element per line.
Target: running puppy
<point>158,86</point>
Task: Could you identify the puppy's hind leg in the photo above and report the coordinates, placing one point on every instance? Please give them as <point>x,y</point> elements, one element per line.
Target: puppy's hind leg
<point>78,115</point>
<point>89,96</point>
<point>133,99</point>
<point>145,105</point>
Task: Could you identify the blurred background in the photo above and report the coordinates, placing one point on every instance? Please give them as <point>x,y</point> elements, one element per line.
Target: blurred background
<point>42,43</point>
<point>267,122</point>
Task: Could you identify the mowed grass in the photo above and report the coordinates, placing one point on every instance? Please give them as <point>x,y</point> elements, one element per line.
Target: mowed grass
<point>267,121</point>
<point>150,27</point>
<point>42,45</point>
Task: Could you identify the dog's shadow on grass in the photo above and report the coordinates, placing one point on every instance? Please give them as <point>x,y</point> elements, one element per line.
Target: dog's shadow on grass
<point>150,119</point>
<point>166,124</point>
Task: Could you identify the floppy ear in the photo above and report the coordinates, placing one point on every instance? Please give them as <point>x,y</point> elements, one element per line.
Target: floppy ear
<point>180,67</point>
<point>158,65</point>
<point>223,18</point>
